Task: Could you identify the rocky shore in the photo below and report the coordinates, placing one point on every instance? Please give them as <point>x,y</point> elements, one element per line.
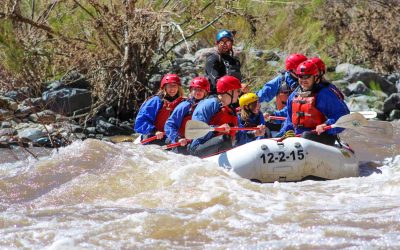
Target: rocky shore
<point>55,119</point>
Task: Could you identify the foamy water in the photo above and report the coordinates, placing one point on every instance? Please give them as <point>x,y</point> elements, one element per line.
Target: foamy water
<point>95,194</point>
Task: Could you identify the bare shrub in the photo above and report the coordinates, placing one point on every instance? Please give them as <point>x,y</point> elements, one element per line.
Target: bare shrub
<point>115,44</point>
<point>367,32</point>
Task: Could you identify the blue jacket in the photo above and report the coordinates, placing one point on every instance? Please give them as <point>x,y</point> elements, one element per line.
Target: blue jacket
<point>174,121</point>
<point>327,102</point>
<point>146,117</point>
<point>243,137</point>
<point>271,88</point>
<point>204,111</point>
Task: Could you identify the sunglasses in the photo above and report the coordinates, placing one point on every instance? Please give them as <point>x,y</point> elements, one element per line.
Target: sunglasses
<point>228,42</point>
<point>304,77</point>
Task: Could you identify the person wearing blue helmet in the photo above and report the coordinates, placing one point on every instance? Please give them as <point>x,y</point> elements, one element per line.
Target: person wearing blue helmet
<point>223,62</point>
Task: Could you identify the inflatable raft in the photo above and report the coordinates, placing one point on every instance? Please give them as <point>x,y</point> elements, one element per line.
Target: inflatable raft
<point>293,159</point>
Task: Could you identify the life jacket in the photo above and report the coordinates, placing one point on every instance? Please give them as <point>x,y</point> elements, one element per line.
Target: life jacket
<point>185,119</point>
<point>225,115</point>
<point>284,93</point>
<point>304,112</point>
<point>165,112</point>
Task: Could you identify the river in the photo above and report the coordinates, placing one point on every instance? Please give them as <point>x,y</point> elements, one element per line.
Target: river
<point>95,194</point>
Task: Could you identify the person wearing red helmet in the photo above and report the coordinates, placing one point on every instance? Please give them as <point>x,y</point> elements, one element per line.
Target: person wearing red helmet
<point>280,88</point>
<point>223,62</point>
<point>314,106</point>
<point>155,111</point>
<point>175,125</point>
<point>283,85</point>
<point>321,76</point>
<point>217,111</point>
<point>320,65</point>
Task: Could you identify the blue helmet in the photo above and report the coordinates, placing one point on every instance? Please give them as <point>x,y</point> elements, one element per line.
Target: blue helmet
<point>224,33</point>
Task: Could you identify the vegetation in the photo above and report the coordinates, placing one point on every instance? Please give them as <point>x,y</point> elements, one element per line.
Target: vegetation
<point>117,45</point>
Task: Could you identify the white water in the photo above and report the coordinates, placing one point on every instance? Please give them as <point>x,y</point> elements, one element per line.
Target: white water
<point>94,194</point>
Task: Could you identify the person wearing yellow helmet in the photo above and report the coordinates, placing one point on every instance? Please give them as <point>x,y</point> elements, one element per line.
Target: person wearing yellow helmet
<point>250,116</point>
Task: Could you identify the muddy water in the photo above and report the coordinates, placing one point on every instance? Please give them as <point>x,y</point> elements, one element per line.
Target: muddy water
<point>95,194</point>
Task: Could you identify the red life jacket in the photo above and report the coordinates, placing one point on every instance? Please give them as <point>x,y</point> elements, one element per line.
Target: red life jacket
<point>225,115</point>
<point>165,112</point>
<point>185,119</point>
<point>304,112</point>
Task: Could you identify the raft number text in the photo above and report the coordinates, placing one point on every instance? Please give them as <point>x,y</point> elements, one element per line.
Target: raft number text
<point>282,156</point>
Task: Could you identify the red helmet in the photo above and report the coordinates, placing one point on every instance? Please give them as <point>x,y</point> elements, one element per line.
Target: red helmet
<point>200,82</point>
<point>320,64</point>
<point>227,83</point>
<point>170,78</point>
<point>307,68</point>
<point>293,61</point>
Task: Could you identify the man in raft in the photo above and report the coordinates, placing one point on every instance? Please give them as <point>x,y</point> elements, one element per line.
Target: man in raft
<point>314,105</point>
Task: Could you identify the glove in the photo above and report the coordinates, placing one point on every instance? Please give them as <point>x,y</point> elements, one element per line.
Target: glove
<point>289,133</point>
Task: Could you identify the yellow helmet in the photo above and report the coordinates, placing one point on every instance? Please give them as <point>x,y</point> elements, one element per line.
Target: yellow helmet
<point>246,99</point>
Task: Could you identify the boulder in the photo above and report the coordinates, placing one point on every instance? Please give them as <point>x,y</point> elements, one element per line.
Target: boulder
<point>69,101</point>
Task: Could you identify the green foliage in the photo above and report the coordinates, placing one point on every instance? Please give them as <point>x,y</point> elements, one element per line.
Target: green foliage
<point>374,86</point>
<point>11,52</point>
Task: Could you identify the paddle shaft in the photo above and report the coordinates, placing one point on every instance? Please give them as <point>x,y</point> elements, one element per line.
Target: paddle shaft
<point>150,139</point>
<point>236,129</point>
<point>173,145</point>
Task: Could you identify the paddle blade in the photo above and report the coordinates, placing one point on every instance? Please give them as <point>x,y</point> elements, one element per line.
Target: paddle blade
<point>377,128</point>
<point>122,138</point>
<point>368,114</point>
<point>196,129</point>
<point>352,121</point>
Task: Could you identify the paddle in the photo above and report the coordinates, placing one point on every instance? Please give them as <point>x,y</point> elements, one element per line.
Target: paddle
<point>358,123</point>
<point>196,129</point>
<point>377,128</point>
<point>149,139</point>
<point>368,114</point>
<point>173,145</point>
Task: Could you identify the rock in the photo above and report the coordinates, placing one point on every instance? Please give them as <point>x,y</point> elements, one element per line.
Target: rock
<point>371,79</point>
<point>8,103</point>
<point>31,133</point>
<point>24,111</point>
<point>75,128</point>
<point>356,88</point>
<point>17,96</point>
<point>54,85</point>
<point>394,114</point>
<point>109,112</point>
<point>36,102</point>
<point>109,129</point>
<point>5,114</point>
<point>68,101</point>
<point>8,132</point>
<point>90,130</point>
<point>6,124</point>
<point>185,48</point>
<point>202,54</point>
<point>392,102</point>
<point>44,117</point>
<point>75,80</point>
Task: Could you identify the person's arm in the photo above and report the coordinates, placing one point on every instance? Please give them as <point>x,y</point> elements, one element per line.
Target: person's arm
<point>287,124</point>
<point>146,117</point>
<point>281,112</point>
<point>174,121</point>
<point>204,111</point>
<point>332,107</point>
<point>269,90</point>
